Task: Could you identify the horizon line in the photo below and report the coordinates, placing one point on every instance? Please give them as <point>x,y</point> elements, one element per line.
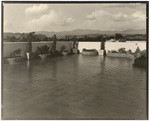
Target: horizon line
<point>76,29</point>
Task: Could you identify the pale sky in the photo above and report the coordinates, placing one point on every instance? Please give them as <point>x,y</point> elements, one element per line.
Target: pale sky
<point>66,17</point>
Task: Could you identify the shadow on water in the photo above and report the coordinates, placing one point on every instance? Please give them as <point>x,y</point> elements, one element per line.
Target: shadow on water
<point>52,65</point>
<point>75,65</point>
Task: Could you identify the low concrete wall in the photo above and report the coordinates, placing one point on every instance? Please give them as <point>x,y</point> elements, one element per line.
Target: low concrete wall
<point>113,45</point>
<point>9,47</point>
<point>39,44</point>
<point>127,45</point>
<point>89,45</point>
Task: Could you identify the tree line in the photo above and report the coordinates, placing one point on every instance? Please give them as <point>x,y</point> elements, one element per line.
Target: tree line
<point>24,37</point>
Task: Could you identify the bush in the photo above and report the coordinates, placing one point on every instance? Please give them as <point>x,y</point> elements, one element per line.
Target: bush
<point>109,51</point>
<point>42,50</point>
<point>129,51</point>
<point>137,52</point>
<point>84,49</point>
<point>143,53</point>
<point>55,53</point>
<point>114,51</point>
<point>63,49</point>
<point>16,53</point>
<point>89,50</point>
<point>122,50</point>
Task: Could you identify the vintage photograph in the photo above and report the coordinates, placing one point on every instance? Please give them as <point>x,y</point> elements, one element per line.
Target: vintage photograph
<point>74,60</point>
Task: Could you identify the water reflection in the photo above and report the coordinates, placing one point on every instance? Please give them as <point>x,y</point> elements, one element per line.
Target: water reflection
<point>102,64</point>
<point>75,66</point>
<point>54,67</point>
<point>140,69</point>
<point>29,70</point>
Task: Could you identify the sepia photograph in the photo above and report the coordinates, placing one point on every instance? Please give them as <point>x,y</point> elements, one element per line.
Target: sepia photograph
<point>74,60</point>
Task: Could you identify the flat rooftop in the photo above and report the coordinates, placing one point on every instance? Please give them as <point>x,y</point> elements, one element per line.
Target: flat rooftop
<point>74,87</point>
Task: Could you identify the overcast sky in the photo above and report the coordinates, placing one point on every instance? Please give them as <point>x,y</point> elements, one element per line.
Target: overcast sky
<point>64,17</point>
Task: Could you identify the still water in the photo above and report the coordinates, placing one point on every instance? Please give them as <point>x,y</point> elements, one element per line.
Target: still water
<point>75,87</point>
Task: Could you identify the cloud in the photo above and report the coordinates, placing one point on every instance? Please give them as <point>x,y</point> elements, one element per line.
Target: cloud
<point>51,21</point>
<point>37,9</point>
<point>116,21</point>
<point>124,5</point>
<point>140,15</point>
<point>46,18</point>
<point>119,17</point>
<point>98,13</point>
<point>70,20</point>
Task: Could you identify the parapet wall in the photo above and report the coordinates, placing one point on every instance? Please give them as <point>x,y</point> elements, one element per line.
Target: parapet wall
<point>9,47</point>
<point>113,45</point>
<point>127,45</point>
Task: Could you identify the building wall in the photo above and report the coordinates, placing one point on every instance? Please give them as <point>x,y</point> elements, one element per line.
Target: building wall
<point>9,47</point>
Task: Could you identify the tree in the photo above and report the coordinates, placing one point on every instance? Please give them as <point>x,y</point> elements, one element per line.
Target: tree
<point>13,39</point>
<point>45,39</point>
<point>103,40</point>
<point>54,42</point>
<point>118,36</point>
<point>30,38</point>
<point>74,42</point>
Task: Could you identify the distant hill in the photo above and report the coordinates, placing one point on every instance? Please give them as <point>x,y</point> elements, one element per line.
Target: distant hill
<point>133,31</point>
<point>81,32</point>
<point>88,31</point>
